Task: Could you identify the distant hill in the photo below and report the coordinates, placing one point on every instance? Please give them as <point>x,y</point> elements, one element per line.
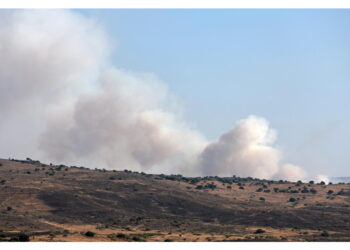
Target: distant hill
<point>40,202</point>
<point>340,179</point>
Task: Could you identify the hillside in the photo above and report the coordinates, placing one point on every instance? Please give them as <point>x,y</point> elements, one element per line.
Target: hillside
<point>61,203</point>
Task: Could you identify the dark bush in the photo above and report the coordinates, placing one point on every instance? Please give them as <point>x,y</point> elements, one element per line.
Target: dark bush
<point>330,192</point>
<point>210,185</point>
<point>311,182</point>
<point>259,190</point>
<point>89,234</point>
<point>322,183</point>
<point>230,187</point>
<point>135,238</point>
<point>23,237</point>
<point>324,234</point>
<point>313,191</point>
<point>241,187</point>
<point>292,200</point>
<point>259,231</point>
<point>200,187</point>
<point>120,235</point>
<point>262,198</point>
<point>168,240</point>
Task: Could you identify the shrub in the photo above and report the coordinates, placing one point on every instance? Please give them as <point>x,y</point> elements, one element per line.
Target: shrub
<point>262,198</point>
<point>259,231</point>
<point>200,187</point>
<point>241,187</point>
<point>120,235</point>
<point>23,237</point>
<point>230,187</point>
<point>313,191</point>
<point>322,183</point>
<point>89,234</point>
<point>324,234</point>
<point>168,240</point>
<point>259,190</point>
<point>311,182</point>
<point>210,185</point>
<point>330,192</point>
<point>292,199</point>
<point>135,238</point>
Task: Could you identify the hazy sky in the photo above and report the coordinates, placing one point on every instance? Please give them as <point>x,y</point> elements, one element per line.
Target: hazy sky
<point>289,66</point>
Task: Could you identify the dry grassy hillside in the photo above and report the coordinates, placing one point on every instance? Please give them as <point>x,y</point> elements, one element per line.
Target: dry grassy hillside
<point>39,202</point>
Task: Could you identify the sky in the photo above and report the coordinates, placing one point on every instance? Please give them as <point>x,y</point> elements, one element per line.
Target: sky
<point>289,66</point>
<point>260,93</point>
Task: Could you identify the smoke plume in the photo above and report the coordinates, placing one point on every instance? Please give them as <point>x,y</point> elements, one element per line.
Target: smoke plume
<point>62,101</point>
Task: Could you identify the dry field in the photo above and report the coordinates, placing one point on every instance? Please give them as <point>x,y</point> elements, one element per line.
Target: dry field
<point>40,202</point>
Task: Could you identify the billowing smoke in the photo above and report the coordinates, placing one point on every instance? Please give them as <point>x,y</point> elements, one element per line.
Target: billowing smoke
<point>247,150</point>
<point>123,124</point>
<point>62,101</point>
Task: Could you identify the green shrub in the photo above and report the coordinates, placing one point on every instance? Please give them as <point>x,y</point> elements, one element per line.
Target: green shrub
<point>292,199</point>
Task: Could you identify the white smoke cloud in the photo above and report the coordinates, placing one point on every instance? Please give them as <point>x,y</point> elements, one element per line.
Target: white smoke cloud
<point>320,177</point>
<point>61,101</point>
<point>248,150</point>
<point>290,172</point>
<point>122,125</point>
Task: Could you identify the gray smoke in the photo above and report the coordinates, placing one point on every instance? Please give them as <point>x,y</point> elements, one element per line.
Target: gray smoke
<point>62,101</point>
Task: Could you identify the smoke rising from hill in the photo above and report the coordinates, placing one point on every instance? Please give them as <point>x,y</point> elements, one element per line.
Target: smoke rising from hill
<point>62,101</point>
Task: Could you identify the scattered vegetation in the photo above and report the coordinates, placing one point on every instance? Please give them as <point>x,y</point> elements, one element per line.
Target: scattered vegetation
<point>89,234</point>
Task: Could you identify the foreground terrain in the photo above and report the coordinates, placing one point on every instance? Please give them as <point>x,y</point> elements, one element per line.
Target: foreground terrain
<point>41,202</point>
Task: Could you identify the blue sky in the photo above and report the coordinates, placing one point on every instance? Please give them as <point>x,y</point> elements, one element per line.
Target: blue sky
<point>290,66</point>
